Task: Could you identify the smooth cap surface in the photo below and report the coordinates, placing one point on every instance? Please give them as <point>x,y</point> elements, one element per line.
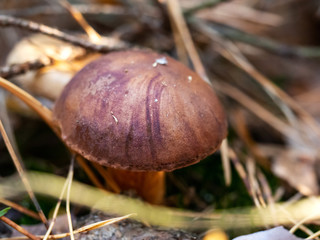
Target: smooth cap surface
<point>140,110</point>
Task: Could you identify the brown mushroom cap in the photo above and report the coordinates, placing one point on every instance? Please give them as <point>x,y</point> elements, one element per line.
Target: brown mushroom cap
<point>124,111</point>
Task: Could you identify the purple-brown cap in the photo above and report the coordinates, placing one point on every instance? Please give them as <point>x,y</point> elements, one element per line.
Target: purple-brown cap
<point>142,111</point>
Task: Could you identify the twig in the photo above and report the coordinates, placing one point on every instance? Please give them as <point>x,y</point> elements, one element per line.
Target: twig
<point>109,43</point>
<point>18,228</point>
<point>17,69</point>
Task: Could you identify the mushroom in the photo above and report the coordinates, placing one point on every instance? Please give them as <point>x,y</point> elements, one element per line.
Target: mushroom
<point>140,113</point>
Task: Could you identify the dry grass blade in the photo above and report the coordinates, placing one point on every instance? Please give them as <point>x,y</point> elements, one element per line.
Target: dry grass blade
<point>20,168</point>
<point>77,15</point>
<point>18,228</point>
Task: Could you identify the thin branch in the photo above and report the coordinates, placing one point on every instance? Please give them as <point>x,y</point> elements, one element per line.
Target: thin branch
<point>109,43</point>
<point>17,69</point>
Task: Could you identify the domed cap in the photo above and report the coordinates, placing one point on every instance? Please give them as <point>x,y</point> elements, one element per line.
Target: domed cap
<point>140,110</point>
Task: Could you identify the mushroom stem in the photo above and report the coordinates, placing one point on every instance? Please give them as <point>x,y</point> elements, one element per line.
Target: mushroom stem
<point>148,185</point>
<point>32,102</point>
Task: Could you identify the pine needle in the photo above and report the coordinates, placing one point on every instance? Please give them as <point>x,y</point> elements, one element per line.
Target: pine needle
<point>180,23</point>
<point>77,15</point>
<point>20,168</point>
<point>226,162</point>
<point>33,103</point>
<point>20,208</point>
